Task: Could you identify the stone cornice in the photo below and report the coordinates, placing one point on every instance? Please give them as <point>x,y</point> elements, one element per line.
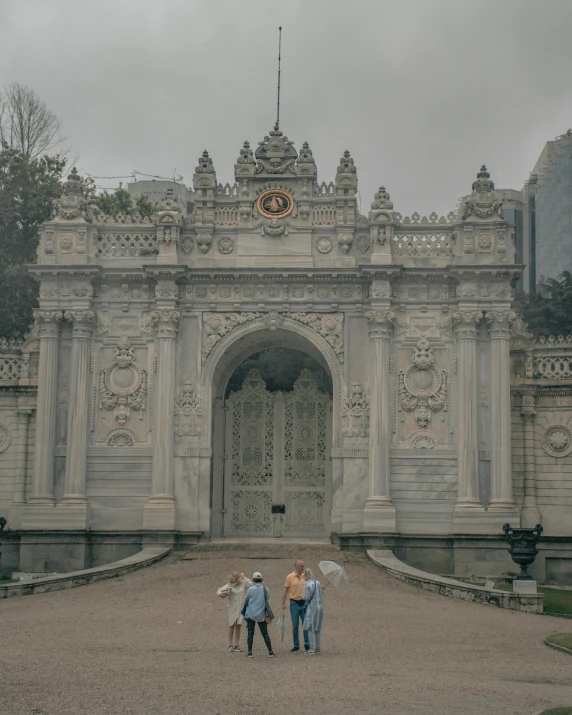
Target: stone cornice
<point>492,272</point>
<point>55,272</point>
<point>268,275</point>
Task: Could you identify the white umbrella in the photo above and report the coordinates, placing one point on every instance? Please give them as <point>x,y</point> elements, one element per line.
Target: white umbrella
<point>335,574</point>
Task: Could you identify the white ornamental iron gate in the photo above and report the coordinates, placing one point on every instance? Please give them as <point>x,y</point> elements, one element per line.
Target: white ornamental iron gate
<point>277,472</point>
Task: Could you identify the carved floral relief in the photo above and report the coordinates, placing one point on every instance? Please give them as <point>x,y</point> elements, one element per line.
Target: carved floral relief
<point>422,387</point>
<point>123,384</point>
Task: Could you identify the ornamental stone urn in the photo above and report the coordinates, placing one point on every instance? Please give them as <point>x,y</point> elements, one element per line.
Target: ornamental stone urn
<point>523,547</point>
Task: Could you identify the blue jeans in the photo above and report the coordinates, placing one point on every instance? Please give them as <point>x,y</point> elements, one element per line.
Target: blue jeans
<point>298,611</point>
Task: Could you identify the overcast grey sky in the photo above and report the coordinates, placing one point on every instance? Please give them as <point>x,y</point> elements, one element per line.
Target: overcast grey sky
<point>420,91</point>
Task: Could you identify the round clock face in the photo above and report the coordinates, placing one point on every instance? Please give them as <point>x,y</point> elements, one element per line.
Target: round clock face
<point>275,203</point>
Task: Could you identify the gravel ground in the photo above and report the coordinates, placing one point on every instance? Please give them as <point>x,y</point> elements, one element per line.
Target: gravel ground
<point>155,642</point>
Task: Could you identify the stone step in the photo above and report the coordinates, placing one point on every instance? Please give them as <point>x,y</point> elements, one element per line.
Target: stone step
<point>266,549</point>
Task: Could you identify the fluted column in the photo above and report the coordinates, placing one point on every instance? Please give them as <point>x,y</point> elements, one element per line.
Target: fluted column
<point>19,496</point>
<point>466,325</point>
<point>501,462</point>
<point>43,480</point>
<point>76,461</point>
<point>530,516</point>
<point>160,509</point>
<point>379,512</point>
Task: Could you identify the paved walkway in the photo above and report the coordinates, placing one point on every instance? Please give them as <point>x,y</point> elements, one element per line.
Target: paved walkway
<point>155,642</point>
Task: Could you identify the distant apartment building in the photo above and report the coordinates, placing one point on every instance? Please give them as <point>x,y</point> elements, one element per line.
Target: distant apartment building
<point>542,215</point>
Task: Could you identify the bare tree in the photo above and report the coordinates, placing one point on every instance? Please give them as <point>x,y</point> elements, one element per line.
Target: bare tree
<point>26,121</point>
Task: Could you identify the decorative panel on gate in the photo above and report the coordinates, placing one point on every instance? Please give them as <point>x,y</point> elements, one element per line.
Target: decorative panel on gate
<point>306,457</point>
<point>249,478</point>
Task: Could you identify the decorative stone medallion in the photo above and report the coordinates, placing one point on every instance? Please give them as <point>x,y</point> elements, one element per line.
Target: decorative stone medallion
<point>557,441</point>
<point>5,437</point>
<point>275,203</point>
<point>225,245</point>
<point>324,245</point>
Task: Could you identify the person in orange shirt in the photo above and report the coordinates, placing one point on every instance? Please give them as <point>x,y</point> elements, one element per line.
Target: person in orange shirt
<point>294,589</point>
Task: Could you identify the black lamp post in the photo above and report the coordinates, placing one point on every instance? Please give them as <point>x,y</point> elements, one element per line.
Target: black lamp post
<point>523,547</point>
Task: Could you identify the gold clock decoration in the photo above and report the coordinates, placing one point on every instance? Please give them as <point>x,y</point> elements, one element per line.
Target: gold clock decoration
<point>275,203</point>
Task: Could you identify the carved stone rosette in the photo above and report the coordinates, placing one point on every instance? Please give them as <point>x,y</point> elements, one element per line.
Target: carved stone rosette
<point>123,384</point>
<point>422,387</point>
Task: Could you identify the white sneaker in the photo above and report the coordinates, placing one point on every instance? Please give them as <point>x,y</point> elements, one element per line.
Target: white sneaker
<point>310,652</point>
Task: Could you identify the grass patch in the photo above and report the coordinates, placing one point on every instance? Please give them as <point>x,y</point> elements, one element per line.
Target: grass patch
<point>564,640</point>
<point>557,711</point>
<point>555,599</point>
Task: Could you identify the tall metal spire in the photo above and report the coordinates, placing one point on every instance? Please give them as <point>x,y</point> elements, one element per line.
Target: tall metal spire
<point>277,125</point>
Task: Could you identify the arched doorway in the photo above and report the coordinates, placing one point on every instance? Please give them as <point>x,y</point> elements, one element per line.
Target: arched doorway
<point>273,426</point>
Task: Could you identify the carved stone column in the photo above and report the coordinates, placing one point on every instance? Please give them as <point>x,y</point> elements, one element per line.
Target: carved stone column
<point>530,516</point>
<point>159,511</point>
<point>468,504</point>
<point>379,512</point>
<point>74,499</point>
<point>501,462</point>
<point>43,480</point>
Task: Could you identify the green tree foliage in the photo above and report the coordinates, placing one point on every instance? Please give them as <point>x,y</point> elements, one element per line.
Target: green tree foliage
<point>549,310</point>
<point>120,202</point>
<point>27,188</point>
<point>280,368</point>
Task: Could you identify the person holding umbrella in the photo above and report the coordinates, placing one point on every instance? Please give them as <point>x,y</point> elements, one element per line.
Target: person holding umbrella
<point>314,618</point>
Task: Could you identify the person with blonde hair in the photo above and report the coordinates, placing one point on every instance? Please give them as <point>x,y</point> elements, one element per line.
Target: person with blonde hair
<point>314,615</point>
<point>235,590</point>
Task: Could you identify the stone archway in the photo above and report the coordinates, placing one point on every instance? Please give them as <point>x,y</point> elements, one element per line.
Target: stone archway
<point>227,354</point>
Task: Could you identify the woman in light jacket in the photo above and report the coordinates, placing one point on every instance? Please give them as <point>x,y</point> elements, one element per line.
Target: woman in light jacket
<point>235,591</point>
<point>314,618</point>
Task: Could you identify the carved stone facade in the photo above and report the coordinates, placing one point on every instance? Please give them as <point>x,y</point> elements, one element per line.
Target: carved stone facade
<point>113,412</point>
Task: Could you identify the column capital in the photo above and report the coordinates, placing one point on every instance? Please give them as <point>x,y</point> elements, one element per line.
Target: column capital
<point>83,322</point>
<point>23,415</point>
<point>466,323</point>
<point>166,322</point>
<point>48,322</point>
<point>381,324</point>
<point>500,322</point>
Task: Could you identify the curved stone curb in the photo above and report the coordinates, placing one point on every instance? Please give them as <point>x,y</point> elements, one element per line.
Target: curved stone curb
<point>143,558</point>
<point>455,589</point>
<point>558,647</point>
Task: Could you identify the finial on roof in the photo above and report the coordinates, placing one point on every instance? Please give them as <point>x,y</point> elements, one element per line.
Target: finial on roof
<point>346,164</point>
<point>483,184</point>
<point>74,184</point>
<point>246,155</point>
<point>205,164</point>
<point>382,200</point>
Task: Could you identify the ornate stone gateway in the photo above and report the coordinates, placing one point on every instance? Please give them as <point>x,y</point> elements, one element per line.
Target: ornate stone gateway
<point>277,477</point>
